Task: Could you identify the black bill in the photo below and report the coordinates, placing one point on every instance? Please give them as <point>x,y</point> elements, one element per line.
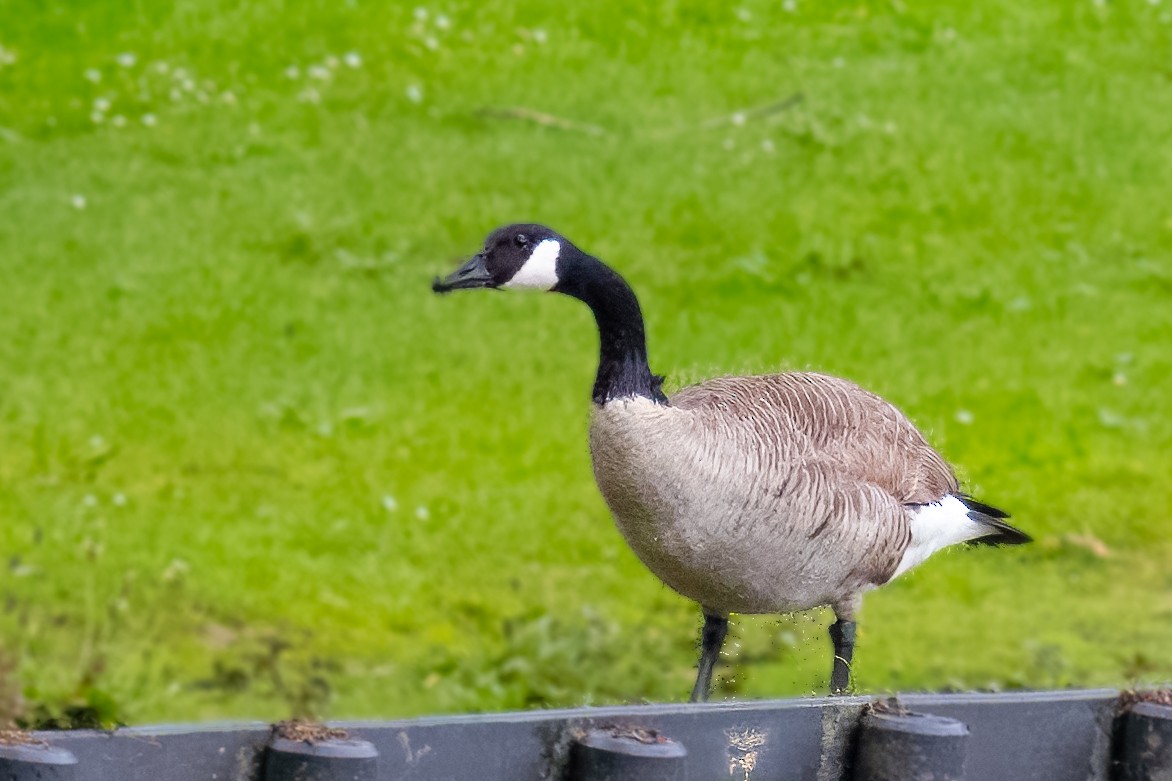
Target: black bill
<point>471,274</point>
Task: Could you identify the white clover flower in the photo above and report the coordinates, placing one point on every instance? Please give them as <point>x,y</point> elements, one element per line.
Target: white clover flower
<point>118,121</point>
<point>162,67</point>
<point>7,56</point>
<point>1109,418</point>
<point>389,503</point>
<point>443,22</point>
<point>175,570</point>
<point>422,513</point>
<point>77,201</point>
<point>540,36</point>
<point>292,72</point>
<point>964,417</point>
<point>309,95</point>
<point>421,13</point>
<point>102,104</point>
<point>319,72</point>
<point>229,98</point>
<point>97,117</point>
<point>119,499</point>
<point>93,74</point>
<point>332,62</point>
<point>126,59</point>
<point>352,59</point>
<point>415,93</point>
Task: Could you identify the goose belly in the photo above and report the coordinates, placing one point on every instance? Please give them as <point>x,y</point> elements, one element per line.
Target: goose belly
<point>741,566</point>
<point>716,539</point>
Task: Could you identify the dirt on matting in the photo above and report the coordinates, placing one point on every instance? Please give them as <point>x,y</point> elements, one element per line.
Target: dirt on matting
<point>307,731</point>
<point>1156,696</point>
<point>18,737</point>
<point>890,706</point>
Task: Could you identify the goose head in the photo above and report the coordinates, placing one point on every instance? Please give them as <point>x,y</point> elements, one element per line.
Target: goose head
<point>521,256</point>
<point>534,257</point>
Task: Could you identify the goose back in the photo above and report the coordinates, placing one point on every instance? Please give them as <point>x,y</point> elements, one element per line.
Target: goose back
<point>807,416</point>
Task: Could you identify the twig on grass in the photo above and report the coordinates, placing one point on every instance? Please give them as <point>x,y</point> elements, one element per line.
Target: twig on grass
<point>541,118</point>
<point>741,116</point>
<point>736,118</point>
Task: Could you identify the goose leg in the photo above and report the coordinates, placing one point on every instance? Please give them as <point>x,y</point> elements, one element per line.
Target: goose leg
<point>842,634</point>
<point>711,640</point>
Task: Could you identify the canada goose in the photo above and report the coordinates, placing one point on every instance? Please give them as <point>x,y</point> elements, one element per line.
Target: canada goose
<point>765,494</point>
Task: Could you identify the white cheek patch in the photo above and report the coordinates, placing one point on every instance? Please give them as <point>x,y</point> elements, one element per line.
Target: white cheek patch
<point>540,270</point>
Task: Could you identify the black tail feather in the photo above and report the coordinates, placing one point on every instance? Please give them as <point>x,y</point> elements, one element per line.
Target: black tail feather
<point>1000,532</point>
<point>981,507</point>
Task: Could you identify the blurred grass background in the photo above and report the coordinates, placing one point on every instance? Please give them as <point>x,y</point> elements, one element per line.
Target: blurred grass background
<point>250,466</point>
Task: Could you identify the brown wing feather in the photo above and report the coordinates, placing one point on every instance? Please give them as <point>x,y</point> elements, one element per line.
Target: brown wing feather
<point>807,418</point>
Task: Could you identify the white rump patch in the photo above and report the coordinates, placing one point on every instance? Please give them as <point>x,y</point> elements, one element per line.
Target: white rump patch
<point>540,270</point>
<point>935,526</point>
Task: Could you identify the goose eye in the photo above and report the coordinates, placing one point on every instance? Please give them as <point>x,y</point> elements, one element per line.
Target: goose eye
<point>521,240</point>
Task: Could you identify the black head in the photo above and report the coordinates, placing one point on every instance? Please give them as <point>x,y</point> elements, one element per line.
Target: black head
<point>523,256</point>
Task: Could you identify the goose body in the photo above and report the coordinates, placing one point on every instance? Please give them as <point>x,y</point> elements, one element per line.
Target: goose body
<point>759,494</point>
<point>768,494</point>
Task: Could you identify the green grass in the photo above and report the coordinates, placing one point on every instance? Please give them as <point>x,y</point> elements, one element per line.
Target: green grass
<point>250,465</point>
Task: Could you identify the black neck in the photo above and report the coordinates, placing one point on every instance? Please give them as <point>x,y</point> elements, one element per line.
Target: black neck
<point>623,371</point>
